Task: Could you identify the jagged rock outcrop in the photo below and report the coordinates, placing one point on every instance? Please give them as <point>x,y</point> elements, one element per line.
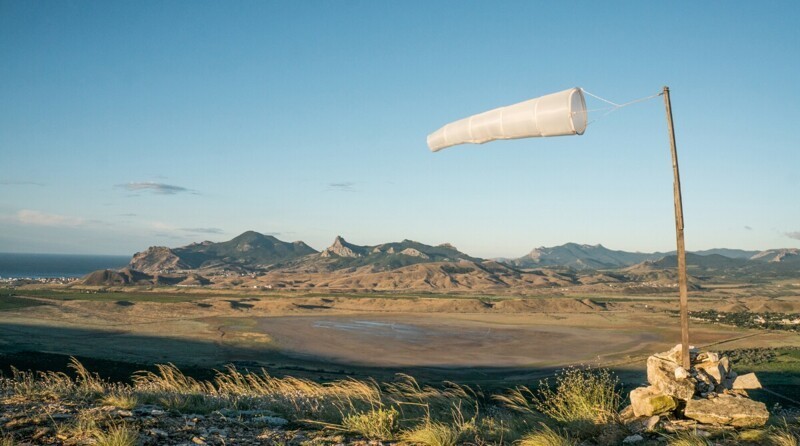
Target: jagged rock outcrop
<point>157,259</point>
<point>414,253</point>
<point>340,248</point>
<point>777,255</point>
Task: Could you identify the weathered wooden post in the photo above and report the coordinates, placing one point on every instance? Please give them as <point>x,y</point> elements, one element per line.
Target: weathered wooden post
<point>682,285</point>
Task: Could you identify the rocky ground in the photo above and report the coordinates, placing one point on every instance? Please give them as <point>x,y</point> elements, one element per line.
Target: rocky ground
<point>582,407</point>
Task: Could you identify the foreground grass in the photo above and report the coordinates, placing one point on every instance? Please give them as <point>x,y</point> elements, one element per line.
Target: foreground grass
<point>580,407</point>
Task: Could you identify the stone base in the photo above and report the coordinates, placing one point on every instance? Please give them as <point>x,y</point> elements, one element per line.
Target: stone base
<point>733,411</point>
<point>648,401</point>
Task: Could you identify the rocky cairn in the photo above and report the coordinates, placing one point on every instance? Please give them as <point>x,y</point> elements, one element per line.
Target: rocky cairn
<point>709,393</point>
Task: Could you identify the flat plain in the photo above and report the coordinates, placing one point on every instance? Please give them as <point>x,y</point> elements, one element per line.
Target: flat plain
<point>464,338</point>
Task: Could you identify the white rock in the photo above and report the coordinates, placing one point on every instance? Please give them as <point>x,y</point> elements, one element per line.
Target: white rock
<point>633,439</point>
<point>748,381</point>
<point>681,373</point>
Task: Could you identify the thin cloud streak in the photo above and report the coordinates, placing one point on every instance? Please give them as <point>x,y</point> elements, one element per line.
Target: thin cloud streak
<point>37,218</point>
<point>344,186</point>
<point>794,234</point>
<point>203,230</point>
<point>156,188</point>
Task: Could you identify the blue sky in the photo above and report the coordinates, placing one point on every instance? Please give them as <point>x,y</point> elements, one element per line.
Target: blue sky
<point>130,124</point>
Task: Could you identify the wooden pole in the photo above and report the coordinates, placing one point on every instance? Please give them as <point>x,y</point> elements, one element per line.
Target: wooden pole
<point>682,286</point>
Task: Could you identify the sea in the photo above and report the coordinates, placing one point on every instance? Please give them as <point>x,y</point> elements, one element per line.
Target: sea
<point>42,266</point>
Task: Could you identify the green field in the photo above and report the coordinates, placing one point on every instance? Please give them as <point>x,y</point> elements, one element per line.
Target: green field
<point>11,302</point>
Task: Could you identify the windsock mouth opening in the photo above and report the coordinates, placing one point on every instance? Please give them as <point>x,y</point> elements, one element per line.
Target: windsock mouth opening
<point>577,111</point>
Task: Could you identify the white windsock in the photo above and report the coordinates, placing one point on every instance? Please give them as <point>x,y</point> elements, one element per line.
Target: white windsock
<point>557,114</point>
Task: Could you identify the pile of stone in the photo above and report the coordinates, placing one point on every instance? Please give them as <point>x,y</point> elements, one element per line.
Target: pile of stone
<point>710,392</point>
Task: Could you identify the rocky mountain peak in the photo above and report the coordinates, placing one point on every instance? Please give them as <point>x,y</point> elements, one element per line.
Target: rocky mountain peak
<point>157,259</point>
<point>776,255</point>
<point>340,248</point>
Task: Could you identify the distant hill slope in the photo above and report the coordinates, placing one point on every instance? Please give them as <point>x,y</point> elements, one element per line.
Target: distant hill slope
<point>594,257</point>
<point>342,254</point>
<point>248,250</point>
<point>581,257</point>
<point>785,255</point>
<point>730,253</point>
<point>127,276</point>
<point>712,261</point>
<point>780,263</point>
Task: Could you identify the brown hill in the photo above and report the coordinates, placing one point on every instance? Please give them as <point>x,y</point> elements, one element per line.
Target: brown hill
<point>128,276</point>
<point>435,276</point>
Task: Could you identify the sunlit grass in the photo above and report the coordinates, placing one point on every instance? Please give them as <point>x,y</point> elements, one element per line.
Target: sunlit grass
<point>375,424</point>
<point>431,434</point>
<point>582,399</point>
<point>118,435</point>
<point>546,436</point>
<point>687,439</point>
<point>121,400</point>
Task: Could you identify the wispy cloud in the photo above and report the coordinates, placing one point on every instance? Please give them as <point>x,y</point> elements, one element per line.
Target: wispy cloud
<point>20,183</point>
<point>794,234</point>
<point>749,228</point>
<point>37,218</point>
<point>203,230</point>
<point>280,234</point>
<point>156,188</point>
<point>343,186</point>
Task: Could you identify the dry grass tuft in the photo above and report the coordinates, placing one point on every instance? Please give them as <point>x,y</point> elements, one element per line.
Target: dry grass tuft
<point>781,436</point>
<point>687,439</point>
<point>170,379</point>
<point>546,436</point>
<point>121,400</point>
<point>376,424</point>
<point>83,426</point>
<point>582,399</point>
<point>118,435</point>
<point>299,398</point>
<point>87,383</point>
<point>49,385</point>
<point>432,434</point>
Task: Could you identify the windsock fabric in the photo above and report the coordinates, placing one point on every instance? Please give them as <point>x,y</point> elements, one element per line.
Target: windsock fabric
<point>557,114</point>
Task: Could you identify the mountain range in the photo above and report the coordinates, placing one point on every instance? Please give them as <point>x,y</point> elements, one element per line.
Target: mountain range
<point>252,251</point>
<point>265,261</point>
